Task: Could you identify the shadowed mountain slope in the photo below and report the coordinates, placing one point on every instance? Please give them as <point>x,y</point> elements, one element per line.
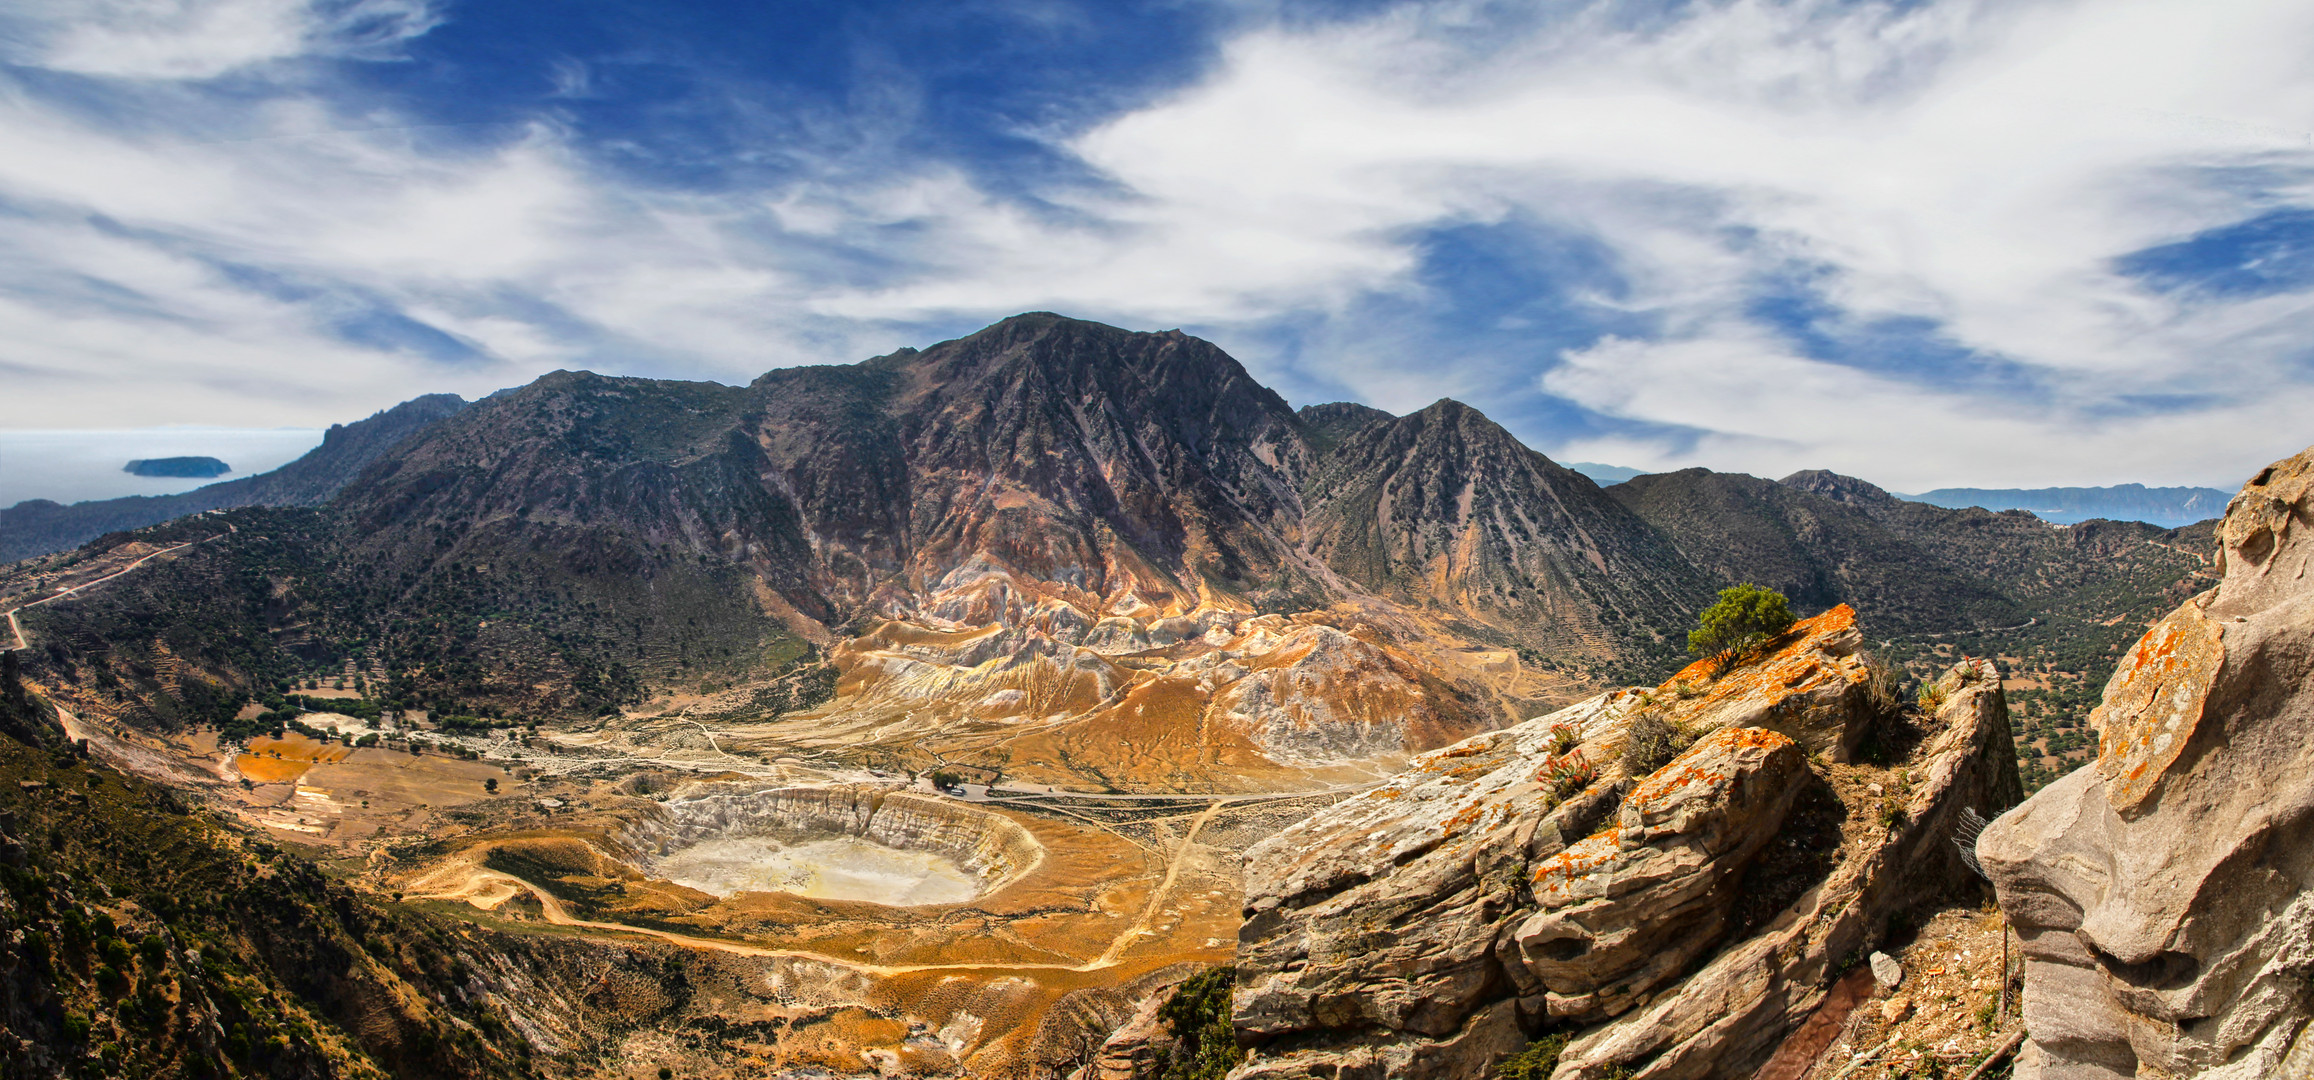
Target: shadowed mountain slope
<point>1443,506</point>
<point>1815,549</point>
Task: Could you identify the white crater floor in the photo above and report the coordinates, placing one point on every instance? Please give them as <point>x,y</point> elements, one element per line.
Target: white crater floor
<point>842,868</point>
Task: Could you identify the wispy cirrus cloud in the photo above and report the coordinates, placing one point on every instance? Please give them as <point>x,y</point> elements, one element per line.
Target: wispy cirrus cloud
<point>202,39</point>
<point>1929,243</point>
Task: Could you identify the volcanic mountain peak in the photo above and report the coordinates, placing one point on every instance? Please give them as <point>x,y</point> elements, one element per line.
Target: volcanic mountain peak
<point>1446,507</point>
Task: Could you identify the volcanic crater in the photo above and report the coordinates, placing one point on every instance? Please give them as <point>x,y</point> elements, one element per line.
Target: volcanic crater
<point>831,843</point>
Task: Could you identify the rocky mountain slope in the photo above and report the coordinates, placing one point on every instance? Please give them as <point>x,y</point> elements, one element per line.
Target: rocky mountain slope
<point>2165,895</point>
<point>40,526</point>
<point>1052,548</point>
<point>141,936</point>
<point>1443,506</point>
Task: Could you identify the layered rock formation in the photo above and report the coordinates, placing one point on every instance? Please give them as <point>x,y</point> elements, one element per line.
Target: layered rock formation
<point>2165,896</point>
<point>1513,883</point>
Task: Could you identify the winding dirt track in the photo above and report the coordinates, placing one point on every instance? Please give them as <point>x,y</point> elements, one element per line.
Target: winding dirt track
<point>17,629</point>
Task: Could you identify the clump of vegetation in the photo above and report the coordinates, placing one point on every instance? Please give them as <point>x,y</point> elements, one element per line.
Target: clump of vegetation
<point>1883,684</point>
<point>1565,776</point>
<point>1743,618</point>
<point>1536,1062</point>
<point>1565,737</point>
<point>1932,696</point>
<point>1651,744</point>
<point>1204,1043</point>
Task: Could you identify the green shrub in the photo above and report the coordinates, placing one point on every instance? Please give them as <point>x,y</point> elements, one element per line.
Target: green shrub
<point>1651,744</point>
<point>154,949</point>
<point>1535,1062</point>
<point>1205,1045</point>
<point>1744,617</point>
<point>109,981</point>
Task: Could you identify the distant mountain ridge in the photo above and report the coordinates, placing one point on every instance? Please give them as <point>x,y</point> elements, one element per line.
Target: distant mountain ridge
<point>40,526</point>
<point>1605,475</point>
<point>2166,506</point>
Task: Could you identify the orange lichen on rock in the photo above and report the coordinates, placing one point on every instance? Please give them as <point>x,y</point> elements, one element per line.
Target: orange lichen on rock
<point>1806,683</point>
<point>2154,704</point>
<point>1682,771</point>
<point>1556,876</point>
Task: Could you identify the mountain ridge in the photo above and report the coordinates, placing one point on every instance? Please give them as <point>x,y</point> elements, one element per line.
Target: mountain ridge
<point>2168,506</point>
<point>1086,494</point>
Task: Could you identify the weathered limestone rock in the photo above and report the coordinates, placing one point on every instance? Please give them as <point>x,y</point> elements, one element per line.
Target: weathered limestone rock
<point>1429,927</point>
<point>2164,895</point>
<point>1135,1047</point>
<point>1809,685</point>
<point>1627,908</point>
<point>1729,1017</point>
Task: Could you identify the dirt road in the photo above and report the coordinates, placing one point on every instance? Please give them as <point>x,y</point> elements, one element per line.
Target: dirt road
<point>16,629</point>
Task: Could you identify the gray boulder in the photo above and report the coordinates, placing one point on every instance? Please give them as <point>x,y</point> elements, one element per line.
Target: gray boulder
<point>2162,893</point>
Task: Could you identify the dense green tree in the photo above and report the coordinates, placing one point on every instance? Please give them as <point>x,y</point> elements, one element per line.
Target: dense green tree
<point>1744,616</point>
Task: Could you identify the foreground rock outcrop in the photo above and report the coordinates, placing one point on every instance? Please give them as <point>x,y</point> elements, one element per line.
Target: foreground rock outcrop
<point>2163,894</point>
<point>1677,923</point>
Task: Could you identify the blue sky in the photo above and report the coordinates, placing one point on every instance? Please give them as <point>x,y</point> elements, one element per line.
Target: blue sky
<point>1930,243</point>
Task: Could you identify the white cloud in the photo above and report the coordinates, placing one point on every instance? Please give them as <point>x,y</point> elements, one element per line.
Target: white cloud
<point>1771,413</point>
<point>201,39</point>
<point>1975,164</point>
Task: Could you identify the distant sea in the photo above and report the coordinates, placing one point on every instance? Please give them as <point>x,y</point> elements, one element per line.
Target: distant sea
<point>75,466</point>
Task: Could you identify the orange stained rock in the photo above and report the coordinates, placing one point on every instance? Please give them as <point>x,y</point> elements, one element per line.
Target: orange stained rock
<point>1465,818</point>
<point>1668,780</point>
<point>1840,617</point>
<point>1556,877</point>
<point>2155,704</point>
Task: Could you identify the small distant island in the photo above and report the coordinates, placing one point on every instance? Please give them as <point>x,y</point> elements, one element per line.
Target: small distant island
<point>177,466</point>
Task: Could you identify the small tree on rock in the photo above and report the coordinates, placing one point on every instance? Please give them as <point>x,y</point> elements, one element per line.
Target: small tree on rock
<point>1744,617</point>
